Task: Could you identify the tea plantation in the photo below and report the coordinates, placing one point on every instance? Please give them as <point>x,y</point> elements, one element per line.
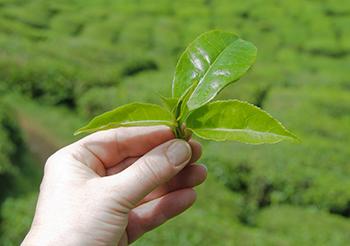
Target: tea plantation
<point>62,62</point>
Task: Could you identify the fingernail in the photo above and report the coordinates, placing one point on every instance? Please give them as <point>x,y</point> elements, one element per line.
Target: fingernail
<point>179,152</point>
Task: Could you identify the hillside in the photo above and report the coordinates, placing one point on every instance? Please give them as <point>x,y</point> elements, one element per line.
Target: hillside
<point>65,61</point>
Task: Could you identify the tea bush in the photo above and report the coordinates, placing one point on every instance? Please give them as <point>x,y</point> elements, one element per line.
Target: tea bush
<point>299,226</point>
<point>11,146</point>
<point>115,52</point>
<point>16,218</point>
<point>314,173</point>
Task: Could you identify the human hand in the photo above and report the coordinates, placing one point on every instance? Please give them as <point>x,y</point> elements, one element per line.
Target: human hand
<point>111,187</point>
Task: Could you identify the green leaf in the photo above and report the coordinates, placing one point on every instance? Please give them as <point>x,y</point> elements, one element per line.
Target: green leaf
<point>215,59</point>
<point>170,102</point>
<point>133,114</point>
<point>183,106</point>
<point>238,121</point>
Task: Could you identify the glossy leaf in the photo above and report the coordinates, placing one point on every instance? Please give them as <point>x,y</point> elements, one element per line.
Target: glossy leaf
<point>183,104</point>
<point>238,121</point>
<point>133,114</point>
<point>215,59</point>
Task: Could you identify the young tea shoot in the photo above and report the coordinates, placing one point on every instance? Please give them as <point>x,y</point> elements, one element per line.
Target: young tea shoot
<point>212,61</point>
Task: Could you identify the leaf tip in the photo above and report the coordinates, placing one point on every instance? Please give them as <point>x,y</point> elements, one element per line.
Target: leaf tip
<point>295,139</point>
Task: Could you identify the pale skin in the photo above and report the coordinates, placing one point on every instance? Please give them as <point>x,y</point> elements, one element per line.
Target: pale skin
<point>113,186</point>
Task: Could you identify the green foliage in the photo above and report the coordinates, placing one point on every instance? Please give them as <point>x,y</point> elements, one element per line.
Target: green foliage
<point>313,173</point>
<point>11,146</point>
<point>16,218</point>
<point>299,226</point>
<point>17,177</point>
<point>236,120</point>
<point>27,76</point>
<point>83,62</point>
<point>134,114</point>
<point>214,60</point>
<point>170,103</point>
<point>97,99</point>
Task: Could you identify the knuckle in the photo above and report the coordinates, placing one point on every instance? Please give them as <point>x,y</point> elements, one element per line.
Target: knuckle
<point>150,171</point>
<point>114,194</point>
<point>50,162</point>
<point>54,161</point>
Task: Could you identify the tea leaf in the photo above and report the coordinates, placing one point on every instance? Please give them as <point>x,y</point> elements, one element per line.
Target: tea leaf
<point>184,110</point>
<point>133,114</point>
<point>170,103</point>
<point>215,59</point>
<point>236,120</point>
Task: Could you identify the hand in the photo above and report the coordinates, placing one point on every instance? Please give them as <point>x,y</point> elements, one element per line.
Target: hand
<point>113,186</point>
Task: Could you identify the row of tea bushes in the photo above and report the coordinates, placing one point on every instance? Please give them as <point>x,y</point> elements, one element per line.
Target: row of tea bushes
<point>54,55</point>
<point>11,146</point>
<point>312,173</point>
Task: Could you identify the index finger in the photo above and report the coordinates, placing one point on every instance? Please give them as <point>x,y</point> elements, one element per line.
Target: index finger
<point>114,145</point>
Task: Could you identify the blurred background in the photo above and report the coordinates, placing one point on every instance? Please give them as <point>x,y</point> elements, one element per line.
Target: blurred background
<point>62,62</point>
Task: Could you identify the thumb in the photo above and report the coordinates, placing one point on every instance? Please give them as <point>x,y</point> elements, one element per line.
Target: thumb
<point>153,169</point>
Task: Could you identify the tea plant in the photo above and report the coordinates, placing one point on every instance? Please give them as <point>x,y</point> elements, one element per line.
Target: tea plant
<point>211,62</point>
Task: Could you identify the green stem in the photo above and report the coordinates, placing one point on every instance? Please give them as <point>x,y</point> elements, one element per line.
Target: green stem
<point>181,114</point>
<point>179,133</point>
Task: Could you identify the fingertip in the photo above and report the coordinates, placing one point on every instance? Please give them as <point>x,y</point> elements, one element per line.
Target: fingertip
<point>178,152</point>
<point>199,174</point>
<point>203,171</point>
<point>195,144</point>
<point>191,196</point>
<point>185,198</point>
<point>204,167</point>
